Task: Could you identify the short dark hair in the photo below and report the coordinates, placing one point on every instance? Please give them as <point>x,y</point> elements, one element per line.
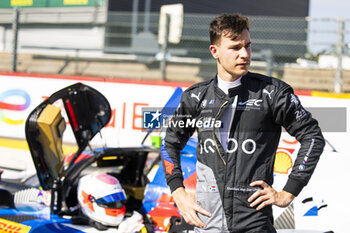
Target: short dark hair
<point>230,25</point>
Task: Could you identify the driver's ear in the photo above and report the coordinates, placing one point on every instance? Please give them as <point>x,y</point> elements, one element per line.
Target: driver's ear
<point>214,51</point>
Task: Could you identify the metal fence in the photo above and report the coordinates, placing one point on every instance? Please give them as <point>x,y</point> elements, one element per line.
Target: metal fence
<point>92,35</point>
<point>286,37</point>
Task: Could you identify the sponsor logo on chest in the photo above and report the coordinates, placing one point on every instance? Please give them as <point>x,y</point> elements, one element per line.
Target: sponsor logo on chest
<point>249,104</point>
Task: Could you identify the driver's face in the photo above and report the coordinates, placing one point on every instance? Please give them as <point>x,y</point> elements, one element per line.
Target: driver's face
<point>233,56</point>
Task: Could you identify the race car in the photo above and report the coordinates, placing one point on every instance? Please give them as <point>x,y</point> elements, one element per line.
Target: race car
<point>49,202</point>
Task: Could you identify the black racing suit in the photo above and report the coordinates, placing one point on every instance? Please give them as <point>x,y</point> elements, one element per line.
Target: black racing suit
<point>262,106</point>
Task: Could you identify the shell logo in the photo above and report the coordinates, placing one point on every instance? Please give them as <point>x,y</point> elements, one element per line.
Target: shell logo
<point>283,161</point>
<point>9,226</point>
<point>17,95</point>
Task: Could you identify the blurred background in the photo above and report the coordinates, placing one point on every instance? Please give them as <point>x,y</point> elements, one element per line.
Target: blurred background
<point>298,41</point>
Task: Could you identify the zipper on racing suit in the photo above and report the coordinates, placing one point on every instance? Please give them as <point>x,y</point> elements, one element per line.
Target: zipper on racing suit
<point>213,133</point>
<point>231,119</point>
<point>222,158</point>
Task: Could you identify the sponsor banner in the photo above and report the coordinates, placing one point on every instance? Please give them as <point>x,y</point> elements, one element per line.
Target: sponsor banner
<point>21,2</point>
<point>19,95</point>
<point>75,2</point>
<point>50,3</point>
<point>132,102</point>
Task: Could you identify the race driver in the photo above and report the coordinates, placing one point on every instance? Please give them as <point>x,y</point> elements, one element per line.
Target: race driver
<point>236,156</point>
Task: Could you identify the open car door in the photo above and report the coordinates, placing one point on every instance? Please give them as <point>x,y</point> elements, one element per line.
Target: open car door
<point>88,112</point>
